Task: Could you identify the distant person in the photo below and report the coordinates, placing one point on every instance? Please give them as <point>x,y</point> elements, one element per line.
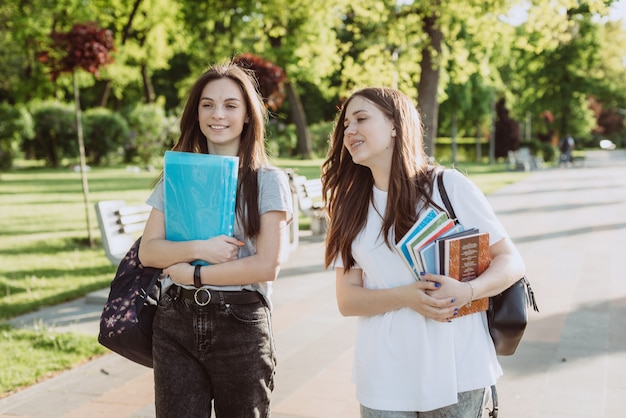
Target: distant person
<point>212,341</point>
<point>413,356</point>
<point>567,149</point>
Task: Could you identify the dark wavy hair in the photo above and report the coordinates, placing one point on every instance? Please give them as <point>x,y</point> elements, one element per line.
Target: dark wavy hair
<point>348,187</point>
<point>252,155</point>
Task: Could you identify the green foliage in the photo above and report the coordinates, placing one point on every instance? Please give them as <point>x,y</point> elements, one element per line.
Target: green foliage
<point>16,125</point>
<point>282,140</point>
<point>105,132</point>
<point>320,135</point>
<point>149,132</point>
<point>55,133</point>
<point>466,149</point>
<point>554,61</point>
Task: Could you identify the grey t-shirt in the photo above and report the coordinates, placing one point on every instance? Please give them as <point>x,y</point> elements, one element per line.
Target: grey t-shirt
<point>274,195</point>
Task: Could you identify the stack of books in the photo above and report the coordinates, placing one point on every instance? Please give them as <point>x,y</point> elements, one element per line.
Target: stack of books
<point>436,244</point>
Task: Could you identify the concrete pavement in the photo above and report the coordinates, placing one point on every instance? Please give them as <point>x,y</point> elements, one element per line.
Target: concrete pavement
<point>569,224</point>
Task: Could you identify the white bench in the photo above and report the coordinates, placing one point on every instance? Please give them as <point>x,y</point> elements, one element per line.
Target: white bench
<point>120,226</point>
<point>310,202</point>
<point>522,159</point>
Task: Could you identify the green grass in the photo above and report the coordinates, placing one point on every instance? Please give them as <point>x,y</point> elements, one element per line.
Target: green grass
<point>37,354</point>
<point>45,258</point>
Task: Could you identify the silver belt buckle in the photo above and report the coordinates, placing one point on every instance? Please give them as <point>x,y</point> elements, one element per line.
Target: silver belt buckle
<point>195,297</point>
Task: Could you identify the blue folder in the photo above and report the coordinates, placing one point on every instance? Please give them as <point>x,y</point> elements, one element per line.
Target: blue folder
<point>200,192</point>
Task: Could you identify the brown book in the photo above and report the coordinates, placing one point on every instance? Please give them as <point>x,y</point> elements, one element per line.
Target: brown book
<point>465,259</point>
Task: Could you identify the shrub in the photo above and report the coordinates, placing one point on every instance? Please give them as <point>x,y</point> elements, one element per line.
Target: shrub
<point>320,137</point>
<point>105,132</point>
<point>54,134</point>
<point>16,125</point>
<point>149,128</point>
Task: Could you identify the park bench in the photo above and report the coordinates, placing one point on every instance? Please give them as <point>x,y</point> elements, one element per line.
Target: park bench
<point>523,160</point>
<point>309,197</point>
<point>120,226</point>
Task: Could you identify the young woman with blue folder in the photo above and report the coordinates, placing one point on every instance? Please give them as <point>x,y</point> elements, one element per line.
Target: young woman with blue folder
<point>212,343</point>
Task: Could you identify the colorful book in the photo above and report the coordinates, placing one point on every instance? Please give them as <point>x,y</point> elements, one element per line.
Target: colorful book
<point>200,192</point>
<point>402,245</point>
<point>440,243</point>
<point>429,255</point>
<point>465,258</point>
<point>439,227</point>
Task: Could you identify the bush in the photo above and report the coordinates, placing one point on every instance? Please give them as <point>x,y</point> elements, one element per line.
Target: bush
<point>282,140</point>
<point>465,149</point>
<point>149,129</point>
<point>105,132</point>
<point>16,125</point>
<point>320,137</point>
<point>55,134</point>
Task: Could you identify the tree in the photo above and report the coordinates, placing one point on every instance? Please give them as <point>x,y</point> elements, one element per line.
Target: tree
<point>148,34</point>
<point>270,76</point>
<point>88,47</point>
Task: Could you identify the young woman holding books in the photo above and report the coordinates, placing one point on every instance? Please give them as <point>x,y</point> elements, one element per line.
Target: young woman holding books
<point>218,351</point>
<point>414,356</point>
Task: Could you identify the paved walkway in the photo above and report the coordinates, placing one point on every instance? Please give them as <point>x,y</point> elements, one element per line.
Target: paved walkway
<point>569,224</point>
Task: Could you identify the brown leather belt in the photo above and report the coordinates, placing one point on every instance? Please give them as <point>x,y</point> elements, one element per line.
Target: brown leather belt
<point>204,296</point>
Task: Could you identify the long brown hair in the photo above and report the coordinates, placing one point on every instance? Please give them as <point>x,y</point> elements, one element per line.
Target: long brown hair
<point>251,152</point>
<point>348,187</point>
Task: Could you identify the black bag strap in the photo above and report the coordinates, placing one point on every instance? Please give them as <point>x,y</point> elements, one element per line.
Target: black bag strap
<point>493,413</point>
<point>445,198</point>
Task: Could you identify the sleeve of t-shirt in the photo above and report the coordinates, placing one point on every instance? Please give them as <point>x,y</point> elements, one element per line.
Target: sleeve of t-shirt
<point>156,199</point>
<point>274,192</point>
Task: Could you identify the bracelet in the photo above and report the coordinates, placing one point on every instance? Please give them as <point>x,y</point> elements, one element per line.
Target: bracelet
<point>197,280</point>
<point>471,294</point>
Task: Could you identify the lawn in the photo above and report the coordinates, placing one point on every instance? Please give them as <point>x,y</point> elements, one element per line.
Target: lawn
<point>45,258</point>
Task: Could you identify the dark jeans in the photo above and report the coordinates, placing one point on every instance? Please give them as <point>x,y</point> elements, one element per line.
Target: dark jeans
<point>218,353</point>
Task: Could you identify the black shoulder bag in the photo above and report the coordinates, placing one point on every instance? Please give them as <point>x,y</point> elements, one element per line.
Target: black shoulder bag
<point>126,320</point>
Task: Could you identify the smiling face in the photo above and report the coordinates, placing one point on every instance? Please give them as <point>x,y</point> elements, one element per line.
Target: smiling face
<point>221,115</point>
<point>368,134</point>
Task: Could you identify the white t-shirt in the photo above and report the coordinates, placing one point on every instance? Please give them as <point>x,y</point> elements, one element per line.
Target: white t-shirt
<point>404,361</point>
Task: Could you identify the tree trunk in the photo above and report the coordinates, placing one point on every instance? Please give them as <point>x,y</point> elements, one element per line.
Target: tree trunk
<point>148,88</point>
<point>429,80</point>
<point>104,95</point>
<point>299,119</point>
<point>479,148</point>
<point>83,165</point>
<point>454,140</point>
